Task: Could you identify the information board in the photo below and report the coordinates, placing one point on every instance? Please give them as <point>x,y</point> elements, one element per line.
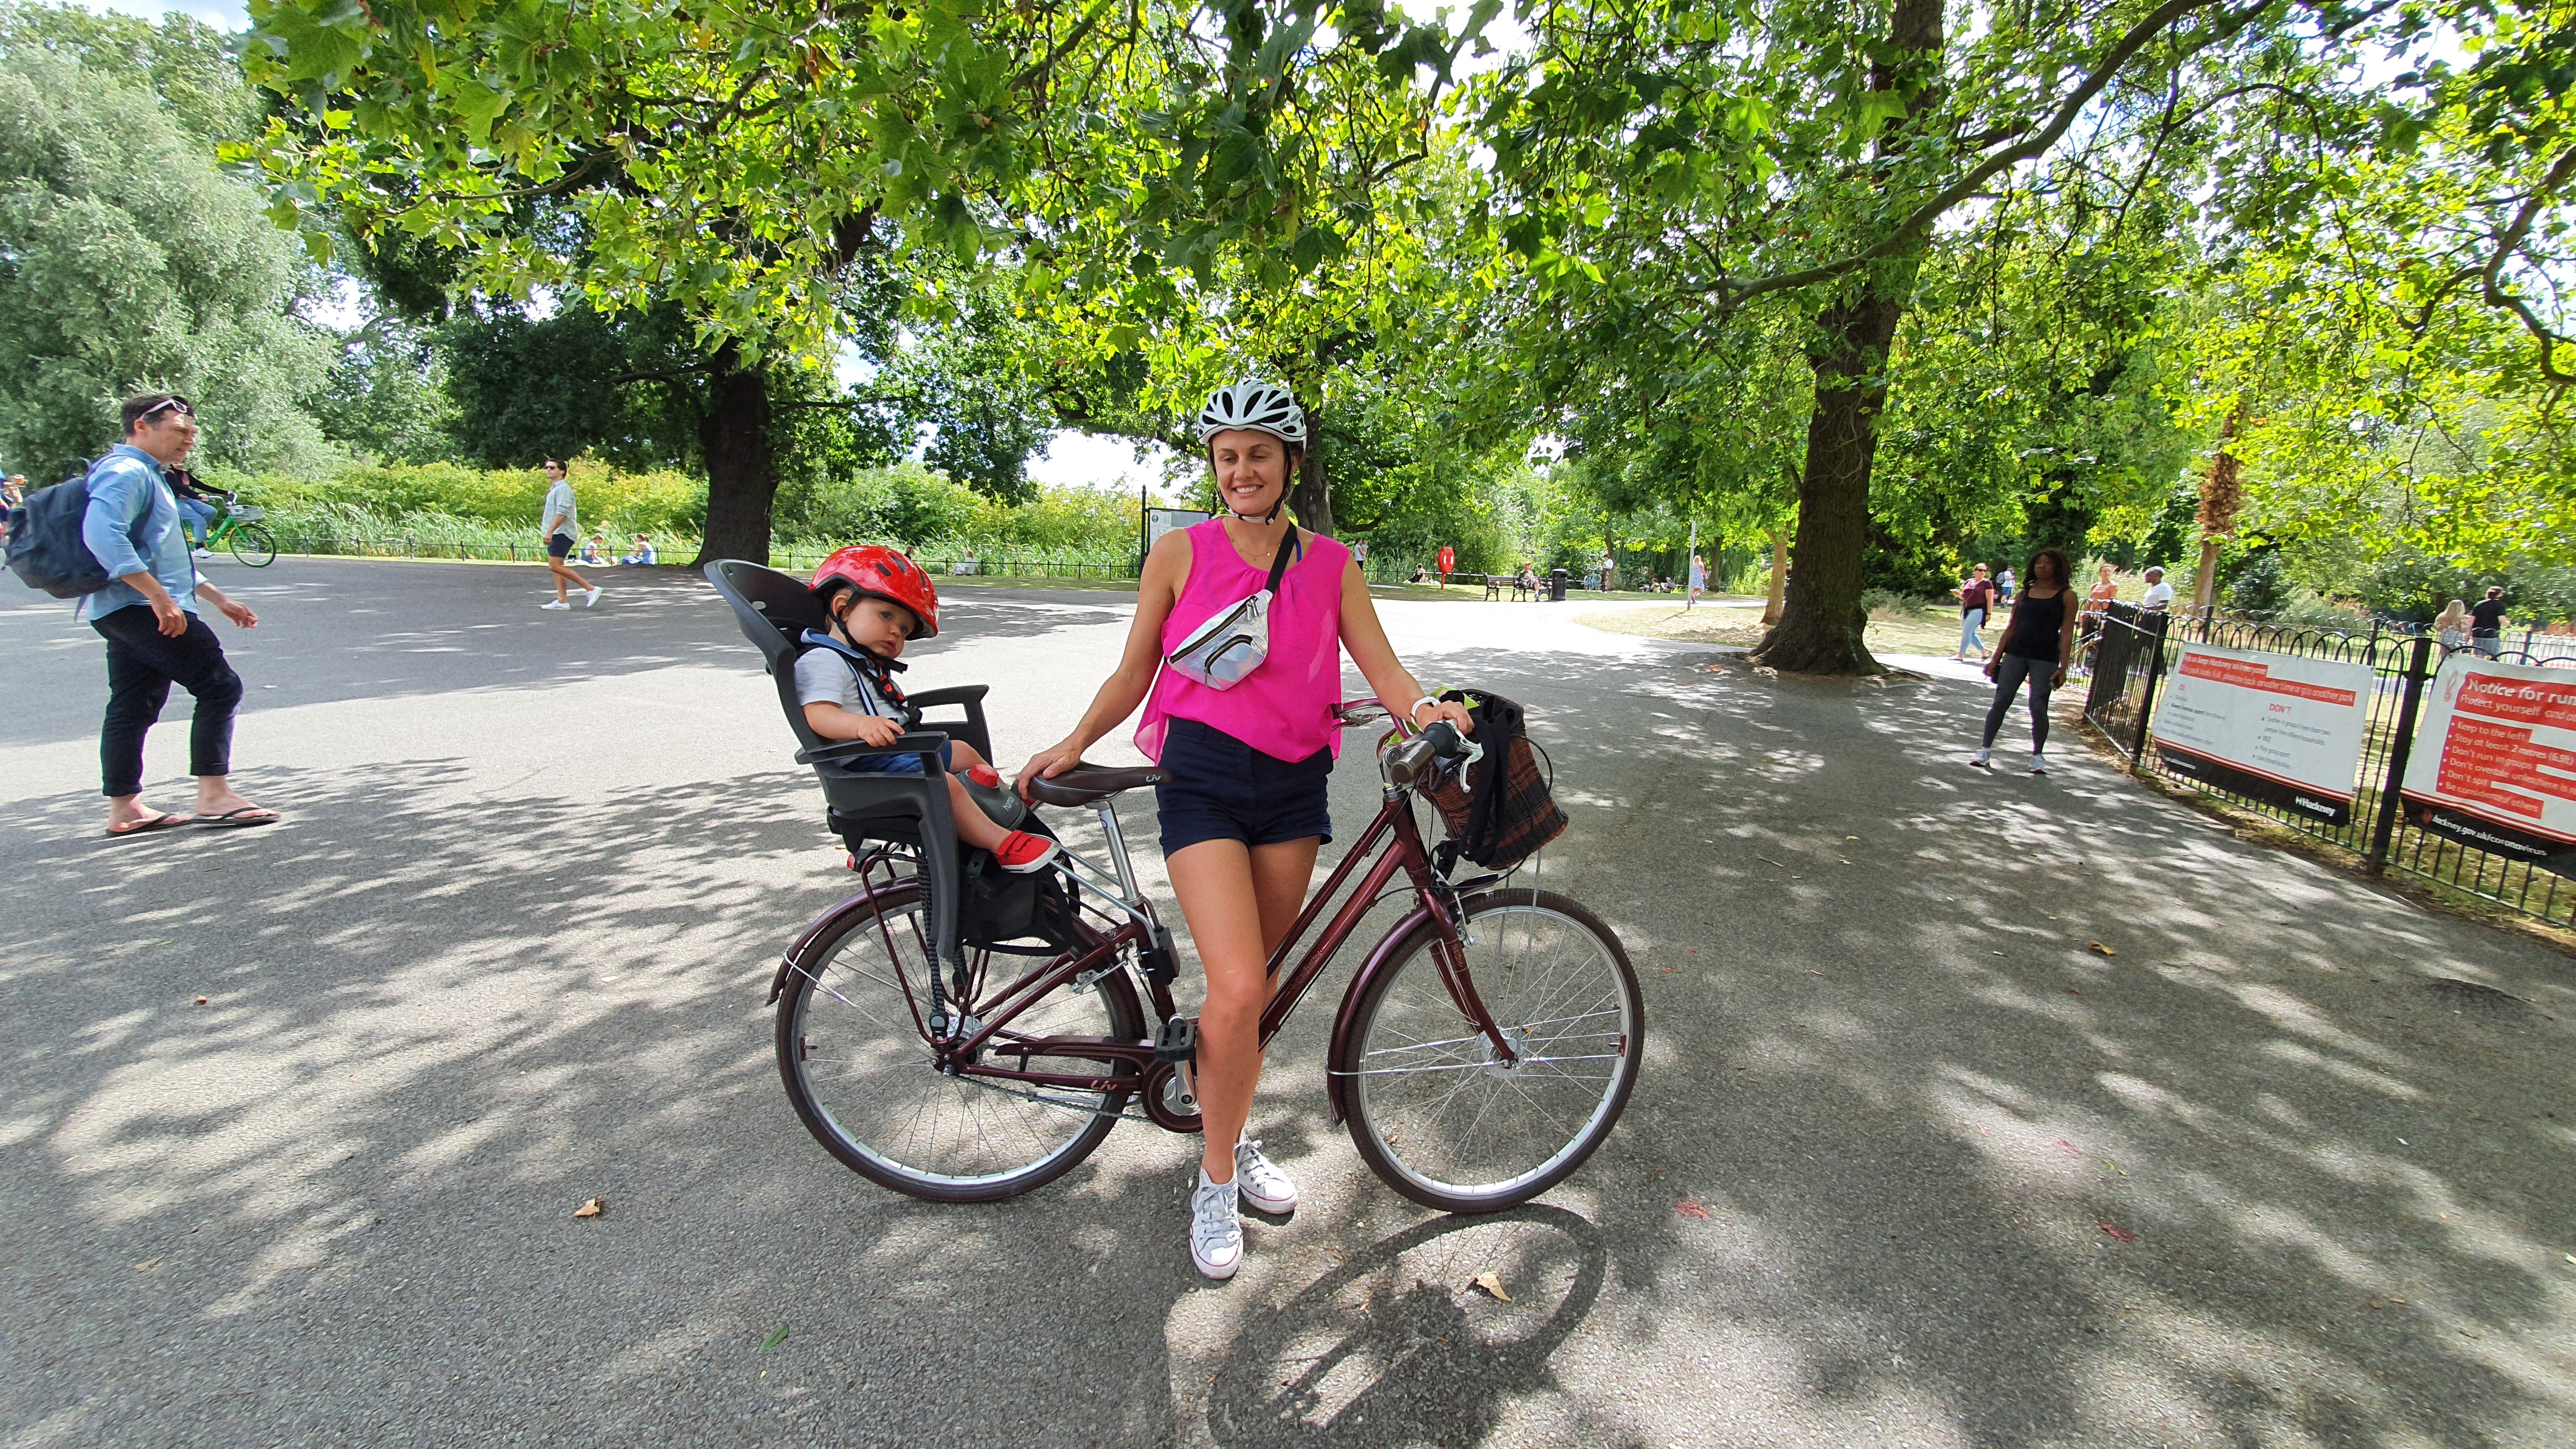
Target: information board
<point>1160,521</point>
<point>2494,763</point>
<point>2278,728</point>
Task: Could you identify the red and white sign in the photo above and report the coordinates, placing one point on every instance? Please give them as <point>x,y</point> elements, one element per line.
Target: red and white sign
<point>1448,559</point>
<point>2498,742</point>
<point>2273,727</point>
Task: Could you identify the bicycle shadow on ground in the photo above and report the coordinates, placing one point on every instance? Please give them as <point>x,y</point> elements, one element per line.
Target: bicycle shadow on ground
<point>1400,1344</point>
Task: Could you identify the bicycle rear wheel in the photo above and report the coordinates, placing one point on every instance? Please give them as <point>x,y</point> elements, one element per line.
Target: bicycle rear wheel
<point>253,545</point>
<point>860,1075</point>
<point>1433,1108</point>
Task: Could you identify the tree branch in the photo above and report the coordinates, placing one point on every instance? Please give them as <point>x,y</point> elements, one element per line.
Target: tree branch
<point>2490,278</point>
<point>1911,230</point>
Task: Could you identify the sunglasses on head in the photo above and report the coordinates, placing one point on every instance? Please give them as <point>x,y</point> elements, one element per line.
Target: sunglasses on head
<point>177,405</point>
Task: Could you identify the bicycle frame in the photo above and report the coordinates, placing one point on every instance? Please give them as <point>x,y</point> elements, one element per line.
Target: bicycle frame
<point>1392,842</point>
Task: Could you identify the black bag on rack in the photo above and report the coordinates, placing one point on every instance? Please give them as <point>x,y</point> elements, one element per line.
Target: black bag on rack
<point>1004,912</point>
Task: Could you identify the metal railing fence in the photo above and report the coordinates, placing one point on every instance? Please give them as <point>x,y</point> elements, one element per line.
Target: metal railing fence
<point>2136,649</point>
<point>788,557</point>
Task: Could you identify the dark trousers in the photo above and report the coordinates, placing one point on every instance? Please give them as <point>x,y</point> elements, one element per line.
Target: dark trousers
<point>142,664</point>
<point>2010,670</point>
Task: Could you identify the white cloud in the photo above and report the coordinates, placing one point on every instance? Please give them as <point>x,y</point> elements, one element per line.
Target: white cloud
<point>1086,460</point>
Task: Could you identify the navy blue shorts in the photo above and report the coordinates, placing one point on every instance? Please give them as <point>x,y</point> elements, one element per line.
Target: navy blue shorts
<point>901,764</point>
<point>1223,789</point>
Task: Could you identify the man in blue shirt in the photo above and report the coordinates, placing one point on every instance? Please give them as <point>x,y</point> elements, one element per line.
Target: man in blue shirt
<point>148,615</point>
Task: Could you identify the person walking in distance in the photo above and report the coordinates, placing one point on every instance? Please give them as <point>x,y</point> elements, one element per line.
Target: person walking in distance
<point>563,535</point>
<point>2039,638</point>
<point>148,616</point>
<point>2487,624</point>
<point>2451,626</point>
<point>2159,596</point>
<point>1976,600</point>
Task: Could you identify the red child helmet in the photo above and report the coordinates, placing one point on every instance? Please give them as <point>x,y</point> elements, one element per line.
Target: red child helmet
<point>886,573</point>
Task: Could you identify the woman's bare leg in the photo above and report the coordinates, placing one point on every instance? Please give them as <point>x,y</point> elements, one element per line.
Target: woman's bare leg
<point>1239,904</point>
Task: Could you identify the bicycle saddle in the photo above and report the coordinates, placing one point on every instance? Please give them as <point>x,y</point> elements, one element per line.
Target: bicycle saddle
<point>1089,784</point>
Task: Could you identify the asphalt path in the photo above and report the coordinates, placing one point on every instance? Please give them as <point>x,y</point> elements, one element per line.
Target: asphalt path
<point>1911,1161</point>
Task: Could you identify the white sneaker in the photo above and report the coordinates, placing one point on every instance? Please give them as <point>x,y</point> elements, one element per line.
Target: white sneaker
<point>2038,765</point>
<point>201,553</point>
<point>1216,1234</point>
<point>1261,1182</point>
<point>1982,759</point>
<point>554,604</point>
<point>590,596</point>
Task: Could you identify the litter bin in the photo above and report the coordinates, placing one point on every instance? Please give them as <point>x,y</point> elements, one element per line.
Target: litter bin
<point>1556,586</point>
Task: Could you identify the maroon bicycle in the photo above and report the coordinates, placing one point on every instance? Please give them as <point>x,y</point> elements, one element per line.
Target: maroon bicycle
<point>1484,1048</point>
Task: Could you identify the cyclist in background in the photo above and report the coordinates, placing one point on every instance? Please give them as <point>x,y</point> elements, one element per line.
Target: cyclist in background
<point>1243,812</point>
<point>195,513</point>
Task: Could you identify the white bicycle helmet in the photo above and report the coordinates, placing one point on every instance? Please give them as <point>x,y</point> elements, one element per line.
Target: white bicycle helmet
<point>1262,406</point>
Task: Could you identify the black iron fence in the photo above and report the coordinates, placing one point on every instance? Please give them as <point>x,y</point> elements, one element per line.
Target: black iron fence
<point>791,557</point>
<point>2132,656</point>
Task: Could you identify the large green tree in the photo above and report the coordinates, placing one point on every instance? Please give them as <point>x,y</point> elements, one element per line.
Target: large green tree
<point>127,260</point>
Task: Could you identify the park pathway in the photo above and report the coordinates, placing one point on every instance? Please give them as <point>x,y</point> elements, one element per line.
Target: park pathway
<point>1914,1161</point>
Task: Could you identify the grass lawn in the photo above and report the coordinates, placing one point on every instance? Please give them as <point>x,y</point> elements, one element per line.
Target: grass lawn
<point>1933,630</point>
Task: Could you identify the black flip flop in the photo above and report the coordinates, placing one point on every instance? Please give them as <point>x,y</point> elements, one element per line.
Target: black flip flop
<point>232,819</point>
<point>167,822</point>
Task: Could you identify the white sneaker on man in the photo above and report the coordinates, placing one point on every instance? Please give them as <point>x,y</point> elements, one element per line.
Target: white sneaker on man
<point>554,604</point>
<point>1260,1181</point>
<point>202,553</point>
<point>1216,1233</point>
<point>590,596</point>
<point>2038,765</point>
<point>1982,759</point>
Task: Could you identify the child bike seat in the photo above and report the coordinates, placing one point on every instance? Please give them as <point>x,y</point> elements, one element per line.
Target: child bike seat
<point>774,610</point>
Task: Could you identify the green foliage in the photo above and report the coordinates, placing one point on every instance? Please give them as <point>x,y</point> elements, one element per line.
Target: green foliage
<point>414,496</point>
<point>387,399</point>
<point>127,262</point>
<point>192,67</point>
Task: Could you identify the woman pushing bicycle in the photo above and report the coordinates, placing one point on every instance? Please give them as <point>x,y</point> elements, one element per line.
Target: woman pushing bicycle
<point>1247,755</point>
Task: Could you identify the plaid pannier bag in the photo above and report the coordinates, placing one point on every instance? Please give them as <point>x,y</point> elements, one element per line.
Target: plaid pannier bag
<point>1500,810</point>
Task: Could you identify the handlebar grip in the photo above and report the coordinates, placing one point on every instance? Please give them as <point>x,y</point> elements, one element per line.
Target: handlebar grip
<point>1444,740</point>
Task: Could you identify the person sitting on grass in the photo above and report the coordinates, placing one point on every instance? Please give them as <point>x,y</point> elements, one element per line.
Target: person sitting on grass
<point>595,552</point>
<point>643,553</point>
<point>878,600</point>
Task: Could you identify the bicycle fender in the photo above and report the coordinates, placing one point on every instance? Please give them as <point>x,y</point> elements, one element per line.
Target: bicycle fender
<point>787,959</point>
<point>1337,1057</point>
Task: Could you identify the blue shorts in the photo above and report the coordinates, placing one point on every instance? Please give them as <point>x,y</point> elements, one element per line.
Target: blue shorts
<point>901,764</point>
<point>1223,789</point>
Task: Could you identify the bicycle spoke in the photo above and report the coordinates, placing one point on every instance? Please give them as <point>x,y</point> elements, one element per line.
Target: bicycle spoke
<point>1459,1123</point>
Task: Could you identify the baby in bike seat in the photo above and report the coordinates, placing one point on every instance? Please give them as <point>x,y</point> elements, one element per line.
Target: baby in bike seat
<point>878,601</point>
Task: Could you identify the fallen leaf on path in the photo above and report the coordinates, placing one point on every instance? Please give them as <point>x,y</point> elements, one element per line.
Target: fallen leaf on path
<point>2123,1234</point>
<point>1493,1283</point>
<point>1766,671</point>
<point>1690,1209</point>
<point>1766,860</point>
<point>201,1001</point>
<point>2105,950</point>
<point>592,1208</point>
<point>776,1337</point>
<point>2070,1148</point>
<point>2071,991</point>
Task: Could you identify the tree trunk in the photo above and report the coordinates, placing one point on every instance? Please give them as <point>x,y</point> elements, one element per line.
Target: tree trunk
<point>742,463</point>
<point>1310,497</point>
<point>2220,496</point>
<point>1779,577</point>
<point>1820,629</point>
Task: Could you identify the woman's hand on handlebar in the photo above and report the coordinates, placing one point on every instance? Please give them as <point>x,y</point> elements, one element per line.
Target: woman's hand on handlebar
<point>1048,763</point>
<point>1444,709</point>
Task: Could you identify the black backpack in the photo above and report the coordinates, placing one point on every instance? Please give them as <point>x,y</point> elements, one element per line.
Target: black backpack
<point>45,544</point>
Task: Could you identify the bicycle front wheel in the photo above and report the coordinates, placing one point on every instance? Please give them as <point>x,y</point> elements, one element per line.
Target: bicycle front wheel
<point>859,1071</point>
<point>1435,1110</point>
<point>253,545</point>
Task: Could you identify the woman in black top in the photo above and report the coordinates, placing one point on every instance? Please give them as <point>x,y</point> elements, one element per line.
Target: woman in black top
<point>2038,640</point>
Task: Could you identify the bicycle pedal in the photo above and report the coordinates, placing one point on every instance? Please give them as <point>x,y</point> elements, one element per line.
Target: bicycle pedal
<point>1177,1041</point>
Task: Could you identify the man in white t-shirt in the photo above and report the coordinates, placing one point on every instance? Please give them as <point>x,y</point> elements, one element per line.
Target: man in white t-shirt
<point>562,529</point>
<point>2159,596</point>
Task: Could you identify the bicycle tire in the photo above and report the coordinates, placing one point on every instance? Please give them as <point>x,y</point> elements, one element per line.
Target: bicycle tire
<point>253,545</point>
<point>882,1110</point>
<point>1434,1115</point>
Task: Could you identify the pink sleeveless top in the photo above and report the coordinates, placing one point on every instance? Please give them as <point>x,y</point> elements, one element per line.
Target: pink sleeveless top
<point>1283,708</point>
